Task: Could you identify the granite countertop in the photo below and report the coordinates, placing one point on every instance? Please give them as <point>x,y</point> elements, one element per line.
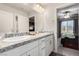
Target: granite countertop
<point>6,45</point>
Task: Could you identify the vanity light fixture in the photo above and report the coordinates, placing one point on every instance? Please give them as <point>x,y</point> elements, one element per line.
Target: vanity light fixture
<point>67,14</point>
<point>38,8</point>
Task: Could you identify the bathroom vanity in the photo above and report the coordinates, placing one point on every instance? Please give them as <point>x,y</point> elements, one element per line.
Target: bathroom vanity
<point>40,44</point>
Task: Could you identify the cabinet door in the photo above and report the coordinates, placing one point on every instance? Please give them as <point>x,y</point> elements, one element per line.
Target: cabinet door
<point>42,48</point>
<point>30,53</point>
<point>47,48</point>
<point>51,43</point>
<point>35,51</point>
<point>24,54</point>
<point>43,51</point>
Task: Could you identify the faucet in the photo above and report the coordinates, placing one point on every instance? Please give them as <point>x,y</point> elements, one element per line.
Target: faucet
<point>2,36</point>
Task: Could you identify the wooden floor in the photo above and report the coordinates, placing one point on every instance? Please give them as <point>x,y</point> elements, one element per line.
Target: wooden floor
<point>63,51</point>
<point>67,51</point>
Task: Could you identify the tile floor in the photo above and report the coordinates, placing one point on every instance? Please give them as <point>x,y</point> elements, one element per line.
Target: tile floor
<point>67,51</point>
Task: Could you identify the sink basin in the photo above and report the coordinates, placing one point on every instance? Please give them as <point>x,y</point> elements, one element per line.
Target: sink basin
<point>17,39</point>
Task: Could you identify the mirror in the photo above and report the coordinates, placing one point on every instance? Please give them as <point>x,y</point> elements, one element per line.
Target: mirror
<point>13,23</point>
<point>32,24</point>
<point>6,22</point>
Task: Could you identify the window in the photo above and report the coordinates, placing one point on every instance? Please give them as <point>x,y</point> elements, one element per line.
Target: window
<point>67,28</point>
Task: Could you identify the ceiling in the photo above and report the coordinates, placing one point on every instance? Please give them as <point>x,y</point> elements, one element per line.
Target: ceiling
<point>57,5</point>
<point>28,7</point>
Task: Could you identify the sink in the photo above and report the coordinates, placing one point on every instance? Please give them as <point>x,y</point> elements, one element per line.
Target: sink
<point>17,39</point>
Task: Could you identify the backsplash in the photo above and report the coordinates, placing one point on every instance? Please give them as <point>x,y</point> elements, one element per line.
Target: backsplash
<point>7,35</point>
<point>14,34</point>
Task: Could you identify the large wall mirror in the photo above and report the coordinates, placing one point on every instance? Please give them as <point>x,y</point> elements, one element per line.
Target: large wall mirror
<point>6,22</point>
<point>32,24</point>
<point>13,23</point>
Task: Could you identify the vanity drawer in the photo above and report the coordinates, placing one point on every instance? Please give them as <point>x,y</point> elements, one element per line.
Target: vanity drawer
<point>50,37</point>
<point>42,40</point>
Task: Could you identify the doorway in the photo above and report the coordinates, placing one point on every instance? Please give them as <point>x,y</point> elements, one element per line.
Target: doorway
<point>68,32</point>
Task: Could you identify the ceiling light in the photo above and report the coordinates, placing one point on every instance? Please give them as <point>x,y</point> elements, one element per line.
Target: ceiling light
<point>38,8</point>
<point>67,15</point>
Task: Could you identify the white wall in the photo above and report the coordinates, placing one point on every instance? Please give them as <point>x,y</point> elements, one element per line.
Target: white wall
<point>52,23</point>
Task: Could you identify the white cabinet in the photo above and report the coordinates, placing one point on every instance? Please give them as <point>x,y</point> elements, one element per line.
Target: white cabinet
<point>32,52</point>
<point>24,54</point>
<point>36,51</point>
<point>41,47</point>
<point>19,51</point>
<point>46,46</point>
<point>42,51</point>
<point>49,44</point>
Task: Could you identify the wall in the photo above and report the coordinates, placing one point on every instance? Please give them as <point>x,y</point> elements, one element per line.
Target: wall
<point>51,23</point>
